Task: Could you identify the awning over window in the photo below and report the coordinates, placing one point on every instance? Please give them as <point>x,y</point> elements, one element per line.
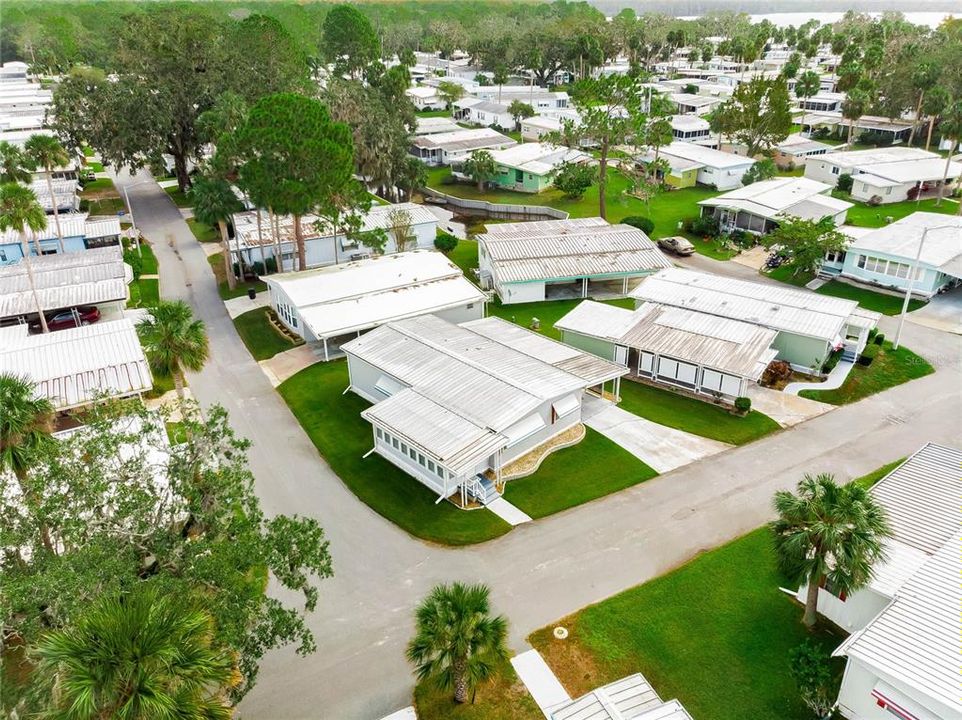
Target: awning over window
<point>525,428</point>
<point>386,385</point>
<point>566,406</point>
<point>898,704</point>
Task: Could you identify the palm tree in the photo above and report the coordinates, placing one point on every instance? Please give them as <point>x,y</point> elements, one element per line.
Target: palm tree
<point>951,128</point>
<point>827,531</point>
<point>15,166</point>
<point>139,656</point>
<point>19,210</point>
<point>174,341</point>
<point>480,166</point>
<point>457,643</point>
<point>853,107</point>
<point>47,152</point>
<point>807,84</point>
<point>26,424</point>
<point>214,203</point>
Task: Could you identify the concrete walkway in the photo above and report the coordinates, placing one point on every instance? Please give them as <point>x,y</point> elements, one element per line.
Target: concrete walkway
<point>834,380</point>
<point>508,512</point>
<point>943,312</point>
<point>446,221</point>
<point>785,408</point>
<point>240,305</point>
<point>407,713</point>
<point>661,448</point>
<point>288,363</point>
<point>541,682</point>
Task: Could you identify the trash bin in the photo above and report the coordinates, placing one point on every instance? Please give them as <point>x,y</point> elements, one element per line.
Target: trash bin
<point>251,293</point>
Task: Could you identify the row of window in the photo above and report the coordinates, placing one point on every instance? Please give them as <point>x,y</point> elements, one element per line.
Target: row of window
<point>288,313</point>
<point>882,266</point>
<point>415,456</point>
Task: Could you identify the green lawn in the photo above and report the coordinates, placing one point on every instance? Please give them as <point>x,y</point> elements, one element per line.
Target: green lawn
<point>94,165</point>
<point>88,151</point>
<point>593,468</point>
<point>868,299</point>
<point>334,424</point>
<point>217,265</point>
<point>694,416</point>
<point>504,697</point>
<point>202,231</point>
<point>548,313</point>
<point>890,368</point>
<point>163,384</point>
<point>180,198</point>
<point>667,209</point>
<point>144,292</point>
<point>715,634</point>
<point>865,215</point>
<point>434,113</point>
<point>876,475</point>
<point>259,335</point>
<point>98,185</point>
<point>465,256</point>
<point>148,261</point>
<point>107,206</point>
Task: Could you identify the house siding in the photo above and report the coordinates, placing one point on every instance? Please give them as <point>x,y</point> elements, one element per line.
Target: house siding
<point>595,346</point>
<point>930,280</point>
<point>855,696</point>
<point>800,351</point>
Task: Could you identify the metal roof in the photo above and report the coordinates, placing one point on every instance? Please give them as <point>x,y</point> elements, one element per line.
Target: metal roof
<point>545,227</point>
<point>71,225</point>
<point>779,308</point>
<point>591,369</point>
<point>706,156</point>
<point>732,346</point>
<point>467,139</point>
<point>915,640</point>
<point>72,367</point>
<point>942,248</point>
<point>631,698</point>
<point>537,158</point>
<point>458,442</point>
<point>777,197</point>
<point>616,250</point>
<point>64,280</point>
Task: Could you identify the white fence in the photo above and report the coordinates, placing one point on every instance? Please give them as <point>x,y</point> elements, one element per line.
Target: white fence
<point>464,206</point>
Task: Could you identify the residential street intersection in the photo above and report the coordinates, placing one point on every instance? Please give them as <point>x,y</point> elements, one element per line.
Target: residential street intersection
<point>540,571</point>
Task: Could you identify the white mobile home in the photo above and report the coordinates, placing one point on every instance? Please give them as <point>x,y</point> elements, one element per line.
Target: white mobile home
<point>445,148</point>
<point>809,327</point>
<point>714,168</point>
<point>331,305</point>
<point>698,352</point>
<point>483,113</point>
<point>454,404</point>
<point>426,98</point>
<point>535,261</point>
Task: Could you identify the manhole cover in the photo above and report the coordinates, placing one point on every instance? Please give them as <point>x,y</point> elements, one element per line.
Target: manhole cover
<point>560,633</point>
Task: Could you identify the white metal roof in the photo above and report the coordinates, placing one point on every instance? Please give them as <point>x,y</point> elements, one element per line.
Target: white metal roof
<point>688,123</point>
<point>544,227</point>
<point>591,369</point>
<point>64,280</point>
<point>942,248</point>
<point>915,640</point>
<point>900,563</point>
<point>779,308</point>
<point>71,225</point>
<point>706,156</point>
<point>777,197</point>
<point>798,144</point>
<point>72,367</point>
<point>431,125</point>
<point>466,139</point>
<point>537,158</point>
<point>631,698</point>
<point>340,299</point>
<point>868,158</point>
<point>731,346</point>
<point>922,170</point>
<point>615,251</point>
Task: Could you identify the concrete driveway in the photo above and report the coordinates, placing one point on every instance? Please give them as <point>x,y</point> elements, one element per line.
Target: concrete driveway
<point>661,448</point>
<point>944,312</point>
<point>784,408</point>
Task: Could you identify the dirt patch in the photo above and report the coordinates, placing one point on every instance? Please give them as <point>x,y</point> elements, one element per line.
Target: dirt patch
<point>575,667</point>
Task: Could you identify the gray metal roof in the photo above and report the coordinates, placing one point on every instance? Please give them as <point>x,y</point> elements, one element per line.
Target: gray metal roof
<point>545,227</point>
<point>465,139</point>
<point>779,308</point>
<point>591,369</point>
<point>777,198</point>
<point>732,346</point>
<point>631,698</point>
<point>943,241</point>
<point>72,367</point>
<point>922,495</point>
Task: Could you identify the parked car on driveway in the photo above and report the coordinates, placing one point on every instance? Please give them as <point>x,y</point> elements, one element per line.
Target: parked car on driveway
<point>677,245</point>
<point>67,319</point>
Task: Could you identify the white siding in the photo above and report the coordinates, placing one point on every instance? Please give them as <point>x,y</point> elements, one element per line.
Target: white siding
<point>512,293</point>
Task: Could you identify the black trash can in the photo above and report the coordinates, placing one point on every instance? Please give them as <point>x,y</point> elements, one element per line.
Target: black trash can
<point>251,293</point>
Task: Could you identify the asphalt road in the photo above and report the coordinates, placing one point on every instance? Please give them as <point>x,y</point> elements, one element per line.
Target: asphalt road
<point>538,572</point>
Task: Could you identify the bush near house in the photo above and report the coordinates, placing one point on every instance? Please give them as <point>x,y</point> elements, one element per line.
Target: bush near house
<point>868,355</point>
<point>844,183</point>
<point>646,225</point>
<point>743,404</point>
<point>445,242</point>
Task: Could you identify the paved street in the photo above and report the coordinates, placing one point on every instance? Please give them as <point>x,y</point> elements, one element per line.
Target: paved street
<point>541,570</point>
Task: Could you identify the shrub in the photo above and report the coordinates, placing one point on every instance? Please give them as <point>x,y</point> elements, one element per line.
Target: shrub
<point>445,242</point>
<point>742,239</point>
<point>646,225</point>
<point>743,404</point>
<point>705,226</point>
<point>132,258</point>
<point>777,372</point>
<point>879,338</point>
<point>872,333</point>
<point>832,361</point>
<point>845,182</point>
<point>811,668</point>
<point>868,355</point>
<point>574,179</point>
<point>257,268</point>
<point>875,138</point>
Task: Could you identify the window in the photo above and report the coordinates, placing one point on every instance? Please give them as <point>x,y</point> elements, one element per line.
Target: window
<point>860,261</point>
<point>100,242</point>
<point>888,191</point>
<point>431,465</point>
<point>421,460</point>
<point>394,442</point>
<point>832,589</point>
<point>834,169</point>
<point>3,255</point>
<point>413,454</point>
<point>379,433</point>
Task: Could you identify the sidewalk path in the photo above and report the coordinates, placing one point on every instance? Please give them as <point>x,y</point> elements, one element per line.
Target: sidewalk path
<point>541,682</point>
<point>508,512</point>
<point>834,380</point>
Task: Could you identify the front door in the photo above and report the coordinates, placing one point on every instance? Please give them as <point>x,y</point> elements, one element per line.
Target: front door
<point>621,355</point>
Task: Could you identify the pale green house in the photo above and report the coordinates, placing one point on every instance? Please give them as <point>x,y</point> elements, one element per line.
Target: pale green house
<point>531,167</point>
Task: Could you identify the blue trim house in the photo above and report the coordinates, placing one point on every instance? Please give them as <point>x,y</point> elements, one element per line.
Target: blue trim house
<point>80,232</point>
<point>884,257</point>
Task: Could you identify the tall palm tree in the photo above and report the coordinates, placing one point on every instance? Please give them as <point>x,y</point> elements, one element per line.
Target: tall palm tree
<point>140,656</point>
<point>807,84</point>
<point>19,210</point>
<point>214,203</point>
<point>458,644</point>
<point>15,166</point>
<point>26,424</point>
<point>827,531</point>
<point>174,341</point>
<point>951,128</point>
<point>47,152</point>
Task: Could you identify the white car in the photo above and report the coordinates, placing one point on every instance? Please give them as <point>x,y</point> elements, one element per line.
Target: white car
<point>677,245</point>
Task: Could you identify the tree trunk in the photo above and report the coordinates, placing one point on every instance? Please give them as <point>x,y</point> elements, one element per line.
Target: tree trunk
<point>299,242</point>
<point>928,137</point>
<point>851,128</point>
<point>31,499</point>
<point>603,182</point>
<point>945,174</point>
<point>460,682</point>
<point>33,287</point>
<point>180,170</point>
<point>915,120</point>
<point>178,379</point>
<point>811,600</point>
<point>56,210</point>
<point>228,264</point>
